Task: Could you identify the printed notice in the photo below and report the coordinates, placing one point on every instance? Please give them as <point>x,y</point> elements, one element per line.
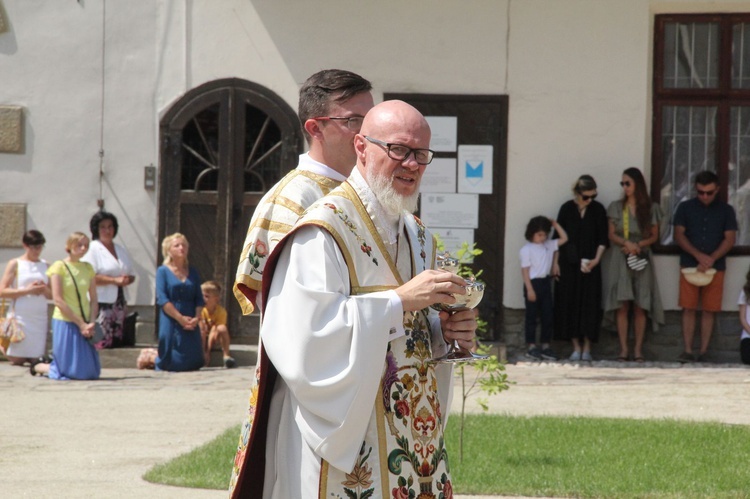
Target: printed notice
<point>444,133</point>
<point>439,176</point>
<point>450,210</point>
<point>475,169</point>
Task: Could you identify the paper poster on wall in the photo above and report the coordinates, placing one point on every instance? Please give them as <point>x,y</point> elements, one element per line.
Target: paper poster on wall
<point>439,176</point>
<point>453,239</point>
<point>444,132</point>
<point>450,210</point>
<point>475,169</point>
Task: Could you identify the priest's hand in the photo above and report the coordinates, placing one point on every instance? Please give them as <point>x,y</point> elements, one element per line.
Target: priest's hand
<point>430,287</point>
<point>460,326</point>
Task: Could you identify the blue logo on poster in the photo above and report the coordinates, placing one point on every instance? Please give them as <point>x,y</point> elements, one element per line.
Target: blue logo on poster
<point>475,172</point>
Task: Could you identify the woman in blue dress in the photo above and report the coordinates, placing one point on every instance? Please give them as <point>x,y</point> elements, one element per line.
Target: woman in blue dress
<point>73,321</point>
<point>178,294</point>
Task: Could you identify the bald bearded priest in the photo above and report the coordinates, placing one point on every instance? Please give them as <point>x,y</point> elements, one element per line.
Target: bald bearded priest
<point>347,402</point>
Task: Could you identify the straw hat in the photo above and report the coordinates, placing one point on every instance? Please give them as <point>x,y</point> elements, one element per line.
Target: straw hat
<point>698,278</point>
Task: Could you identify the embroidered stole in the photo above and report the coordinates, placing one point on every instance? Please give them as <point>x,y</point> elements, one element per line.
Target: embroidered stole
<point>404,446</point>
<point>274,217</point>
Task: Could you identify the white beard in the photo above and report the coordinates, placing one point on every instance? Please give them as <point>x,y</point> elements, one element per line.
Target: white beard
<point>393,203</point>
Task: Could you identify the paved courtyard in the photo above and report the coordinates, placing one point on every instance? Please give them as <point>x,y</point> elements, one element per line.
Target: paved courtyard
<point>97,438</point>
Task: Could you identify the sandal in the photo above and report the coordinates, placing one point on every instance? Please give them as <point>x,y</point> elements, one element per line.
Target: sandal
<point>32,365</point>
<point>622,359</point>
<point>639,359</point>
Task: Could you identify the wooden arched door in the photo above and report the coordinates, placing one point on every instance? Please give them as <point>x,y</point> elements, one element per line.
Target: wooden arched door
<point>223,145</point>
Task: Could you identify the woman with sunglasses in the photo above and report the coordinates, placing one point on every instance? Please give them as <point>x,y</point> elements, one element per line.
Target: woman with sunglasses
<point>578,291</point>
<point>629,279</point>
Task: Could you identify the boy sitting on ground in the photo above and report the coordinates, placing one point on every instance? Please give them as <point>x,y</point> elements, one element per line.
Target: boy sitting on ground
<point>213,323</point>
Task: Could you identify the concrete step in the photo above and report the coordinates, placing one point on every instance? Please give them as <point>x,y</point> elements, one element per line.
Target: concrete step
<point>244,355</point>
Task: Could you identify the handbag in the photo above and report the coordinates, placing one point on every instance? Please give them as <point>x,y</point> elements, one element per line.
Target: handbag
<point>4,340</point>
<point>128,329</point>
<point>98,331</point>
<point>636,263</point>
<point>10,330</point>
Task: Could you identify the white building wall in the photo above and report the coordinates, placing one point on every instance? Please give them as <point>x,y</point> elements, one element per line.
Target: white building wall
<point>578,78</point>
<point>51,62</point>
<point>580,102</point>
<point>51,65</point>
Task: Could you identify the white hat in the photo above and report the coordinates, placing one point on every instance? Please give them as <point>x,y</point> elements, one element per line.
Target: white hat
<point>698,278</point>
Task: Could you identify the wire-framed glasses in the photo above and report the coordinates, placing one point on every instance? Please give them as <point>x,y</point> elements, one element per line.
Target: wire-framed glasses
<point>400,152</point>
<point>353,123</point>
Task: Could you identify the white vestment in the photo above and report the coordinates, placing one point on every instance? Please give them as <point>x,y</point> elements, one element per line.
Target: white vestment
<point>356,396</point>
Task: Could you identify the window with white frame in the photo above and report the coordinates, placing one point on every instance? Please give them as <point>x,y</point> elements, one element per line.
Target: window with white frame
<point>701,109</point>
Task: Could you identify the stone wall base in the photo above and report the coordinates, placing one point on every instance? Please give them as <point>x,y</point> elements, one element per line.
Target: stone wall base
<point>145,328</point>
<point>664,345</point>
<point>661,346</point>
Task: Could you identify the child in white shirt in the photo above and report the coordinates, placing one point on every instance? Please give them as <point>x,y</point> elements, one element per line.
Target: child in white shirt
<point>537,256</point>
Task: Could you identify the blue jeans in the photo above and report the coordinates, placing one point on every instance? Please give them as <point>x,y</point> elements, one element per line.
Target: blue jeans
<point>542,307</point>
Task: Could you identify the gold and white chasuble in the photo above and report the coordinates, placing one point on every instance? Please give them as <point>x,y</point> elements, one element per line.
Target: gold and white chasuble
<point>357,410</point>
<point>274,217</point>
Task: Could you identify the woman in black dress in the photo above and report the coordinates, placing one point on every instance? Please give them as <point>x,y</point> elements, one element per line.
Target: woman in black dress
<point>578,292</point>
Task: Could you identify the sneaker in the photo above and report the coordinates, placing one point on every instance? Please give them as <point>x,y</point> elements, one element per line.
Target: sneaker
<point>229,362</point>
<point>575,356</point>
<point>549,354</point>
<point>534,353</point>
<point>586,357</point>
<point>686,358</point>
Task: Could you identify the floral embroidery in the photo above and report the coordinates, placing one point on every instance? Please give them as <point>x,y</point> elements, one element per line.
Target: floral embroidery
<point>408,381</point>
<point>358,482</point>
<point>411,441</point>
<point>259,251</point>
<point>423,458</point>
<point>402,409</point>
<point>247,426</point>
<point>413,415</point>
<point>404,490</point>
<point>366,248</point>
<point>253,400</point>
<point>417,336</point>
<point>445,487</point>
<point>389,378</point>
<point>422,239</point>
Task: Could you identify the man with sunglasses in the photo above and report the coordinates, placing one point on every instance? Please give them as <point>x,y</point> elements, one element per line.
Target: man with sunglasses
<point>705,228</point>
<point>349,402</point>
<point>332,105</point>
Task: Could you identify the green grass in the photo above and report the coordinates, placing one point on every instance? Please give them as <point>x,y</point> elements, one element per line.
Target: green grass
<point>587,457</point>
<point>206,467</point>
<point>552,456</point>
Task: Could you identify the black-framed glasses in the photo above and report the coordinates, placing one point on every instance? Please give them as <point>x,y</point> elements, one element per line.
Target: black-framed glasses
<point>586,198</point>
<point>400,152</point>
<point>353,123</point>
